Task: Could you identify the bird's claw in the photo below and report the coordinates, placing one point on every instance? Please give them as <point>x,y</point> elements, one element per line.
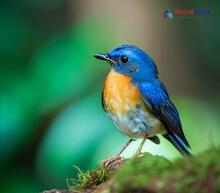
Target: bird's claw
<point>109,162</point>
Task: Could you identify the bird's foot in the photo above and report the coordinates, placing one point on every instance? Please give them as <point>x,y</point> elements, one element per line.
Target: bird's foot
<point>116,160</point>
<point>136,155</point>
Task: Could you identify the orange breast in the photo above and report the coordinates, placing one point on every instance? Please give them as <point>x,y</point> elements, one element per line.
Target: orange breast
<point>119,94</point>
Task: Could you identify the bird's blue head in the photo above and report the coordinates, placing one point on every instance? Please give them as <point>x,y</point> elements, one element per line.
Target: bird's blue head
<point>131,61</point>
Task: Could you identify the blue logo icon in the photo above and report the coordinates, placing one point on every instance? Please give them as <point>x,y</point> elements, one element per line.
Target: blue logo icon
<point>168,14</point>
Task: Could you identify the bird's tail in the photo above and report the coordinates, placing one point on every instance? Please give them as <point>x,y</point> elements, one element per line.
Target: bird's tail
<point>178,144</point>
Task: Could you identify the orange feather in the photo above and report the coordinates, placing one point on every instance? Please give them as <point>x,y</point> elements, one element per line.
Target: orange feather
<point>119,94</point>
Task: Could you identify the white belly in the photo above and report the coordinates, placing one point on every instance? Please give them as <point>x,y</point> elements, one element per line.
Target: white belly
<point>138,124</point>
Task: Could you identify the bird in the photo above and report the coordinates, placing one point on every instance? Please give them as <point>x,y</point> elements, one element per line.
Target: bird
<point>137,101</point>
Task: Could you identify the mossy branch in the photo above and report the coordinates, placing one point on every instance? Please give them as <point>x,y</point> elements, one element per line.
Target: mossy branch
<point>154,174</point>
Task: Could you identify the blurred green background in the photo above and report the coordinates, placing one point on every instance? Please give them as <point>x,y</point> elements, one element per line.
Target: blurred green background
<point>50,84</point>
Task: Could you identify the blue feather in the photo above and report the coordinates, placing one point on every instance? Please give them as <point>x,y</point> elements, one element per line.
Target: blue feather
<point>157,99</point>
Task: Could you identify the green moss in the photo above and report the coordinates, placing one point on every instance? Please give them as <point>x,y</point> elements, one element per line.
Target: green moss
<point>141,171</point>
<point>153,172</point>
<point>89,180</point>
<point>156,174</point>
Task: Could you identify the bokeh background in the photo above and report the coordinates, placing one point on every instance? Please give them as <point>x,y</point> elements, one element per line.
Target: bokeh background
<point>50,84</point>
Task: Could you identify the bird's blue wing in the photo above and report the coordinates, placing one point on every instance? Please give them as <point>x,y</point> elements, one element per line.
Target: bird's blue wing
<point>157,99</point>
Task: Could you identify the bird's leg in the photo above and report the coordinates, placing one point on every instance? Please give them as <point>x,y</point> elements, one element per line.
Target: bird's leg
<point>138,152</point>
<point>117,156</point>
<point>126,145</point>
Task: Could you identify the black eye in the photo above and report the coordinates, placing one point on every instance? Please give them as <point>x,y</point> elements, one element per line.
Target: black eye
<point>124,59</point>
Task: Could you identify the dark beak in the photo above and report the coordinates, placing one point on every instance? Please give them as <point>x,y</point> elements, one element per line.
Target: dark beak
<point>104,57</point>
